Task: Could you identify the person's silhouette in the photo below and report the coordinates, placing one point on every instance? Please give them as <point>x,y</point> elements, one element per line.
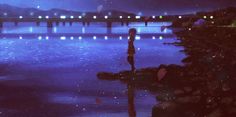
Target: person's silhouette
<point>130,85</point>
<point>131,48</point>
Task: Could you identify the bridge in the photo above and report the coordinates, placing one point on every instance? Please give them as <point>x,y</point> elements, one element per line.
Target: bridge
<point>88,20</point>
<point>124,20</point>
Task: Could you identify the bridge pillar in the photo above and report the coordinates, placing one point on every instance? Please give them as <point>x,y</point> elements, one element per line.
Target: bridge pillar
<point>49,27</point>
<point>37,23</point>
<point>83,23</point>
<point>71,23</point>
<point>57,23</point>
<point>88,23</point>
<point>109,24</point>
<point>16,23</point>
<point>122,23</point>
<point>146,23</point>
<point>127,23</point>
<point>1,26</point>
<point>64,23</point>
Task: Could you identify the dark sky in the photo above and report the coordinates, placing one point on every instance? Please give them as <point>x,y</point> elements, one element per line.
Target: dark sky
<point>145,7</point>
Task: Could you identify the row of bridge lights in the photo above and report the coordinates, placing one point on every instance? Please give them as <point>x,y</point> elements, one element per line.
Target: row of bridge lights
<point>94,37</point>
<point>106,17</point>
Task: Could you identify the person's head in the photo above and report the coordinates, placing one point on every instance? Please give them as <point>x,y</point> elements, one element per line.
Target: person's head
<point>132,32</point>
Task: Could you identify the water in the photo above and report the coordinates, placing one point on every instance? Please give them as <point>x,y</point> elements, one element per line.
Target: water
<point>56,76</point>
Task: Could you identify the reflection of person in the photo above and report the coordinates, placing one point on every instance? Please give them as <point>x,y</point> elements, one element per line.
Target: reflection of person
<point>130,58</point>
<point>131,48</point>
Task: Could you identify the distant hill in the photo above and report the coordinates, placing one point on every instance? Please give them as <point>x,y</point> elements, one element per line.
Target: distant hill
<point>12,11</point>
<point>224,17</point>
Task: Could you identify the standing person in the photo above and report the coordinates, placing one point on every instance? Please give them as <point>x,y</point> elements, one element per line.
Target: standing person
<point>131,48</point>
<point>130,85</point>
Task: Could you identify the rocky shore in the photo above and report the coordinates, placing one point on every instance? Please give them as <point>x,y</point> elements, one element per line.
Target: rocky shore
<point>204,86</point>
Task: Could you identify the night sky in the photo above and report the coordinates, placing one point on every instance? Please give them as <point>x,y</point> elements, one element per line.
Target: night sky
<point>142,7</point>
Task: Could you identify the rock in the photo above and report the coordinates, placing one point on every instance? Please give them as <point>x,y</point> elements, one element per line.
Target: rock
<point>107,76</point>
<point>178,92</point>
<point>161,74</point>
<point>227,100</point>
<point>215,113</point>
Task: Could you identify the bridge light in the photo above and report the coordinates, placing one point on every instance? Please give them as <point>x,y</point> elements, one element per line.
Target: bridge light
<point>94,17</point>
<point>94,37</point>
<point>128,17</point>
<point>180,17</point>
<point>160,37</point>
<point>80,17</point>
<point>63,38</point>
<point>105,37</point>
<point>212,17</point>
<point>72,38</point>
<point>39,37</point>
<point>106,17</point>
<point>121,17</point>
<point>63,17</point>
<point>71,17</point>
<point>137,17</point>
<point>40,17</point>
<point>46,17</point>
<point>137,38</point>
<point>161,17</point>
<point>153,37</point>
<point>21,17</point>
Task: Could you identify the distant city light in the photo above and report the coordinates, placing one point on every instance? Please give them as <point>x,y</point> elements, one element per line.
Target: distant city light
<point>153,17</point>
<point>121,17</point>
<point>180,17</point>
<point>94,17</point>
<point>55,14</point>
<point>72,38</point>
<point>46,17</point>
<point>5,14</point>
<point>72,17</point>
<point>31,13</point>
<point>20,37</point>
<point>80,17</point>
<point>106,17</point>
<point>63,17</point>
<point>47,37</point>
<point>128,17</point>
<point>21,17</point>
<point>161,17</point>
<point>211,17</point>
<point>80,37</point>
<point>204,17</point>
<point>120,37</point>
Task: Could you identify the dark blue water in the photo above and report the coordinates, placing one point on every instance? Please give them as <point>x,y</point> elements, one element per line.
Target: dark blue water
<point>56,76</point>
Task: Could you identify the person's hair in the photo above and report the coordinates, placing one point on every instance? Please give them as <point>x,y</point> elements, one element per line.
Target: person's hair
<point>132,30</point>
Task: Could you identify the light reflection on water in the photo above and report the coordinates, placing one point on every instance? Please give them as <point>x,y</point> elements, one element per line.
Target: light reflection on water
<point>64,71</point>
